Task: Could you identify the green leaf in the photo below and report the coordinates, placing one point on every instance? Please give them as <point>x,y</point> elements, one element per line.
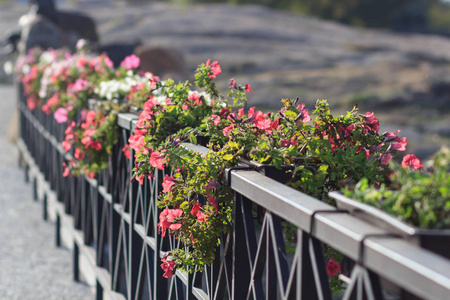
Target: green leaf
<point>228,157</point>
<point>233,145</point>
<point>192,138</point>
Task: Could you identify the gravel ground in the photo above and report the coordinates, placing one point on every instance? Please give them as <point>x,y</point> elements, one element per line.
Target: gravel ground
<point>31,266</point>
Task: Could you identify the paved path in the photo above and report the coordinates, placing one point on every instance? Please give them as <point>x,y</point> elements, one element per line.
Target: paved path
<point>31,266</point>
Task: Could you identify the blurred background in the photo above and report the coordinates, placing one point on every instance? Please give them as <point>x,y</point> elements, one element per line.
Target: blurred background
<point>391,57</point>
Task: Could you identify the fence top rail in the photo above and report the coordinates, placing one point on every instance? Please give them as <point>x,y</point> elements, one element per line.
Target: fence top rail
<point>127,120</point>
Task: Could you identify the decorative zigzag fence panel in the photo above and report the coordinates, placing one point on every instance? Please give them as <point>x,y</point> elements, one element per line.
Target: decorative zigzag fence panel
<point>115,221</point>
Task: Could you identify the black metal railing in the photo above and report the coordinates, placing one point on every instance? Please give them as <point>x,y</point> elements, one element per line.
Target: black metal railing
<point>115,221</point>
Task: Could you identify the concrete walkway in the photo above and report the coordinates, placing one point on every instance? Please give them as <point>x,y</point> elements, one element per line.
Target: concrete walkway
<point>31,266</point>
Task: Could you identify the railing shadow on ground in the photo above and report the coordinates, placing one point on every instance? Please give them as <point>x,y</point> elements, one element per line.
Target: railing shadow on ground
<point>114,224</point>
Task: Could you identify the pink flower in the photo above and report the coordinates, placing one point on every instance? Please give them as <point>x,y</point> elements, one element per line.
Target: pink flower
<point>85,141</point>
<point>169,268</point>
<point>399,145</point>
<point>194,96</point>
<point>78,155</point>
<point>89,119</point>
<point>288,143</point>
<point>385,159</point>
<point>215,68</point>
<point>216,119</point>
<point>248,89</point>
<point>139,178</point>
<point>226,130</point>
<point>149,104</point>
<point>372,123</point>
<point>53,100</point>
<point>262,121</point>
<point>66,145</point>
<point>108,62</point>
<point>201,217</point>
<point>304,114</point>
<point>166,218</point>
<point>211,185</point>
<point>157,160</point>
<point>167,183</point>
<point>81,62</point>
<point>333,267</point>
<point>390,135</point>
<point>232,83</point>
<point>411,161</point>
<point>131,62</point>
<point>136,142</point>
<point>61,115</point>
<point>46,109</point>
<point>80,85</point>
<point>66,170</point>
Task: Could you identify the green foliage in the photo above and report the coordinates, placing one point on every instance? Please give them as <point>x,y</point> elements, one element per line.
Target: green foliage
<point>420,198</point>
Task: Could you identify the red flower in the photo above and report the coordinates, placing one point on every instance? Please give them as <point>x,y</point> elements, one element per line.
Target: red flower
<point>195,209</point>
<point>167,183</point>
<point>333,267</point>
<point>169,268</point>
<point>248,89</point>
<point>213,201</point>
<point>95,145</point>
<point>157,160</point>
<point>215,68</point>
<point>166,218</point>
<point>274,124</point>
<point>410,160</point>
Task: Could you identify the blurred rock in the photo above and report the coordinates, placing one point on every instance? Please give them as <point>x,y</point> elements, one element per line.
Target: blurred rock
<point>402,78</point>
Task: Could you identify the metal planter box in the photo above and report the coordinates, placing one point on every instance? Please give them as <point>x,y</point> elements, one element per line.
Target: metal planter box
<point>435,240</point>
